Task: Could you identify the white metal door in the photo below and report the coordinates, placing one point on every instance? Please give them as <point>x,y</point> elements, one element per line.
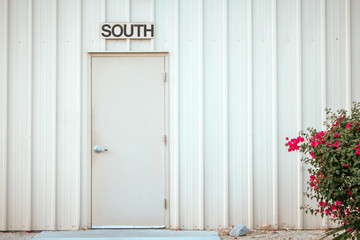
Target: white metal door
<point>128,112</point>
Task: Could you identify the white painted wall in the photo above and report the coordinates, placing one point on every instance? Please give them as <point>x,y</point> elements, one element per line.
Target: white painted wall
<point>244,74</point>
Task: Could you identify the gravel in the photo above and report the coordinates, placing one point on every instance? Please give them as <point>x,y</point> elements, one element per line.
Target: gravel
<point>256,234</point>
<point>281,234</point>
<point>17,235</point>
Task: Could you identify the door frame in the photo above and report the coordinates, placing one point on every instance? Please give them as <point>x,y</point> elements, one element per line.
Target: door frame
<point>166,166</point>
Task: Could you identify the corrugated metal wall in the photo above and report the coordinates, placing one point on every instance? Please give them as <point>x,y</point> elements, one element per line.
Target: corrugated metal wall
<point>244,74</point>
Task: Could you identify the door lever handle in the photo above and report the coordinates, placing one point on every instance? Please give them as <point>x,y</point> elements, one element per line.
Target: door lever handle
<point>98,149</point>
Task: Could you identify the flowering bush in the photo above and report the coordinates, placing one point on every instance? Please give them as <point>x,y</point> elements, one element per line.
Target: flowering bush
<point>334,159</point>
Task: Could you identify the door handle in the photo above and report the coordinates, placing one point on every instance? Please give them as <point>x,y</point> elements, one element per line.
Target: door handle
<point>98,149</point>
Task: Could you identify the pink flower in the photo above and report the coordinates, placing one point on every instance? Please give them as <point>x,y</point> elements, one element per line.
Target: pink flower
<point>336,144</point>
<point>327,211</point>
<point>325,204</point>
<point>358,151</point>
<point>315,187</point>
<point>333,207</point>
<point>350,229</point>
<point>359,144</point>
<point>345,165</point>
<point>349,125</point>
<point>293,143</point>
<point>313,143</point>
<point>320,135</point>
<point>345,221</point>
<point>321,203</point>
<point>336,135</point>
<point>338,202</point>
<point>287,138</point>
<point>349,192</point>
<point>312,154</point>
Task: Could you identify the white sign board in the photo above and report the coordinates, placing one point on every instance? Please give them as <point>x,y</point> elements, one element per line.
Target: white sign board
<point>127,30</point>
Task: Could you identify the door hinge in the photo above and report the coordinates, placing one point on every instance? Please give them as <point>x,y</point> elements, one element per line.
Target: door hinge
<point>164,77</point>
<point>165,203</point>
<point>165,139</point>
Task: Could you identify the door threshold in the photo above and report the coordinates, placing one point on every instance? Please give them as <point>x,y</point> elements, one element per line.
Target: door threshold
<point>126,227</point>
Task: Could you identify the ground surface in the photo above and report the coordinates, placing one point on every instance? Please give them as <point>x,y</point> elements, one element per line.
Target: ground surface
<point>17,235</point>
<point>283,234</point>
<point>257,234</point>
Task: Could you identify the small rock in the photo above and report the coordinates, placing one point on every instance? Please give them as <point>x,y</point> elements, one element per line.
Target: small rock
<point>239,230</point>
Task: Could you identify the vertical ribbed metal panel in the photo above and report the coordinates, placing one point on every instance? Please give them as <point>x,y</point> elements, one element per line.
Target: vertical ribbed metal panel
<point>250,110</point>
<point>43,43</point>
<point>335,54</point>
<point>164,25</point>
<point>18,139</point>
<point>243,76</point>
<point>355,48</point>
<point>311,83</point>
<point>287,102</point>
<point>213,114</point>
<point>67,115</point>
<point>174,120</point>
<point>238,121</point>
<point>189,118</point>
<point>4,112</point>
<point>262,112</point>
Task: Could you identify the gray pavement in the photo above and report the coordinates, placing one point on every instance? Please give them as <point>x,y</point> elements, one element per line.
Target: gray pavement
<point>128,234</point>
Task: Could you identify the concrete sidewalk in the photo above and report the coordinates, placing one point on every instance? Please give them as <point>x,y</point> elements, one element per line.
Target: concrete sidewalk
<point>128,234</point>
